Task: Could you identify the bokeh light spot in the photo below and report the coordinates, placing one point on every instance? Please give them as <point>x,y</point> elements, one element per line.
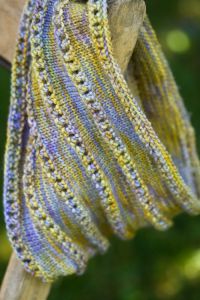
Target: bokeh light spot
<point>178,41</point>
<point>192,265</point>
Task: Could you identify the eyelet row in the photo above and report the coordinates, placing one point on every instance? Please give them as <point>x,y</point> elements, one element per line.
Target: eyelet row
<point>108,203</point>
<point>80,212</point>
<point>34,206</point>
<point>106,129</point>
<point>45,221</point>
<point>143,128</point>
<point>13,151</point>
<point>72,134</point>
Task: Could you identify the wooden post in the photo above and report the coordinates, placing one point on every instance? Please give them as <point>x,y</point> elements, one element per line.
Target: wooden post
<point>19,285</point>
<point>10,12</point>
<point>126,17</point>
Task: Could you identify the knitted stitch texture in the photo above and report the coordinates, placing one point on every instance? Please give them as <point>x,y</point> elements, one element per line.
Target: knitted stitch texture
<point>85,158</point>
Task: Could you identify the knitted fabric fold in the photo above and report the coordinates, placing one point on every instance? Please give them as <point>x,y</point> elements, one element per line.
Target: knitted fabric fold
<point>86,158</point>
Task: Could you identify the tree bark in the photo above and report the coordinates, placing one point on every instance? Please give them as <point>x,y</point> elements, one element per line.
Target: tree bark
<point>125,17</point>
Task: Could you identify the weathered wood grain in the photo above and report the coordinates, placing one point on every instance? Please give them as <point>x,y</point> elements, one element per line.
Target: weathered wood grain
<point>19,285</point>
<point>10,12</point>
<point>126,17</point>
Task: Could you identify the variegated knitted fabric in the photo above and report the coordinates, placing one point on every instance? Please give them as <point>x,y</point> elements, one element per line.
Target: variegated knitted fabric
<point>85,158</point>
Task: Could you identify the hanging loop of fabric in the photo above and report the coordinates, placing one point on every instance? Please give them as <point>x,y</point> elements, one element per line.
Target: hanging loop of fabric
<point>86,158</point>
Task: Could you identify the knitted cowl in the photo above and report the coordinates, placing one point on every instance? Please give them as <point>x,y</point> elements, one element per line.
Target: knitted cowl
<point>86,158</point>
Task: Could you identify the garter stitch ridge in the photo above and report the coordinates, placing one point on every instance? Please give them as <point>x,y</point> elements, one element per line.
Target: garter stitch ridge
<point>85,158</point>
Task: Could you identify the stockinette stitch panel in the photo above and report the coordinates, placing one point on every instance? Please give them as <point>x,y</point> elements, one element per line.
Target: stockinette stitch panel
<point>85,158</point>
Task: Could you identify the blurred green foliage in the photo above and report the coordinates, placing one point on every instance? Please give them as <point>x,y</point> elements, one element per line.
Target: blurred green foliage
<point>154,265</point>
